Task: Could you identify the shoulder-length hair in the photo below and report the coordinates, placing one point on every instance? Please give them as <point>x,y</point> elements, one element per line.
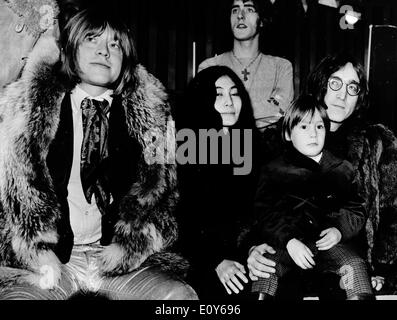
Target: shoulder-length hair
<point>304,105</point>
<point>94,22</point>
<point>198,110</point>
<point>317,82</point>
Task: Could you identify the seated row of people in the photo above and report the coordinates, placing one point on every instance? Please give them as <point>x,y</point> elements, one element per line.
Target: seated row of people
<point>81,208</point>
<point>309,207</point>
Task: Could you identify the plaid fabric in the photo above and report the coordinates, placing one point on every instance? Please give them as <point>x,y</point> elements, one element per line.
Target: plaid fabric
<point>340,260</point>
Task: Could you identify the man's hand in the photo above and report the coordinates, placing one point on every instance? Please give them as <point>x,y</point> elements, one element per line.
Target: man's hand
<point>329,238</point>
<point>229,272</point>
<point>258,265</point>
<point>301,254</point>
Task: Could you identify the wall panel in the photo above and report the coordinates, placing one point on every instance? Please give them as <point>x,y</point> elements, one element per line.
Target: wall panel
<point>165,31</point>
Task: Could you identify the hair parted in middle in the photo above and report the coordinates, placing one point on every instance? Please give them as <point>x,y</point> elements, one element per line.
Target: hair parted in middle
<point>264,8</point>
<point>94,21</point>
<point>199,109</point>
<point>304,105</point>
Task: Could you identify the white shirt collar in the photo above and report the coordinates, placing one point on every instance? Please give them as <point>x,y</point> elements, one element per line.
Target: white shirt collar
<point>78,95</point>
<point>318,157</point>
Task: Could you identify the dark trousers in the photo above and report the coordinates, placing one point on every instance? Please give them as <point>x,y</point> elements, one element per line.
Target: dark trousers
<point>340,259</point>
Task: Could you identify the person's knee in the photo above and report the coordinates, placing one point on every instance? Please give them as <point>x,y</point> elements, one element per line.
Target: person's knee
<point>177,290</point>
<point>21,293</point>
<point>170,288</point>
<point>151,284</point>
<point>167,288</point>
<point>353,272</point>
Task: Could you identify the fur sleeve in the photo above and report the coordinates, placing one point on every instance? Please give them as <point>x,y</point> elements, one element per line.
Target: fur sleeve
<point>146,223</point>
<point>385,224</point>
<point>29,207</point>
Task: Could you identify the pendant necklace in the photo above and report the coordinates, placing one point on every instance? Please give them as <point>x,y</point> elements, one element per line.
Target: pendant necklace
<point>245,71</point>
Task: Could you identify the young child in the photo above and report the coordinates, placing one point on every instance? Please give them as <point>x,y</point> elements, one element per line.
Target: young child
<point>307,206</point>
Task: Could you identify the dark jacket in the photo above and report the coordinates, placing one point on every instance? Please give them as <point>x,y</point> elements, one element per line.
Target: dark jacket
<point>214,205</point>
<point>372,150</point>
<point>214,202</point>
<point>35,163</point>
<point>298,198</point>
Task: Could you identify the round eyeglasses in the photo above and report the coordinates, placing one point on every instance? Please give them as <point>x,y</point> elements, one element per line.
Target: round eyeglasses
<point>336,83</point>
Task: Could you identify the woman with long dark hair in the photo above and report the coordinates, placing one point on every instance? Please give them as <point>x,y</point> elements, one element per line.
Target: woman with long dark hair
<point>216,196</point>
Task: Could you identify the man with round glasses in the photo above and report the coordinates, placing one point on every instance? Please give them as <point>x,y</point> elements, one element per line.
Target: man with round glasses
<point>339,82</point>
<point>341,100</point>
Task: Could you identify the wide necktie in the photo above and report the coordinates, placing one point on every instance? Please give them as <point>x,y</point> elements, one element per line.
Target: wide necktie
<point>94,152</point>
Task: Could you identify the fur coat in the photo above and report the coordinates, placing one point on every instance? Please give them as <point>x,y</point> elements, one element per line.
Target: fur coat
<point>29,208</point>
<point>372,149</point>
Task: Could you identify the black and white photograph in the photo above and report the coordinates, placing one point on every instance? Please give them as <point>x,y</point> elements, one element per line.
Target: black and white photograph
<point>207,156</point>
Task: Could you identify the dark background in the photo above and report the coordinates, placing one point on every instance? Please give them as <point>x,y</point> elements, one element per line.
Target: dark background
<point>165,32</point>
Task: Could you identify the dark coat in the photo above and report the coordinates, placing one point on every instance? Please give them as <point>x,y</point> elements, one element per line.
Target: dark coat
<point>214,202</point>
<point>372,150</point>
<point>214,205</point>
<point>35,163</point>
<point>298,198</point>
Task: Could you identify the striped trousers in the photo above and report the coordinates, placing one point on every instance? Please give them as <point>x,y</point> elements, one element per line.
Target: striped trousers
<point>340,259</point>
<point>81,274</point>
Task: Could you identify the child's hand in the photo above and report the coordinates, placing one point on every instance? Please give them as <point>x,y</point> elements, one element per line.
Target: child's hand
<point>329,238</point>
<point>301,254</point>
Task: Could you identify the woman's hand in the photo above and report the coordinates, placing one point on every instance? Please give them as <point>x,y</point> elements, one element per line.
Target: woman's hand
<point>301,254</point>
<point>258,265</point>
<point>229,272</point>
<point>329,238</point>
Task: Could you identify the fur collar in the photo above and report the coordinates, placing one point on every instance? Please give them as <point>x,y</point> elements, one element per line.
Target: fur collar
<point>146,107</point>
<point>29,117</point>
